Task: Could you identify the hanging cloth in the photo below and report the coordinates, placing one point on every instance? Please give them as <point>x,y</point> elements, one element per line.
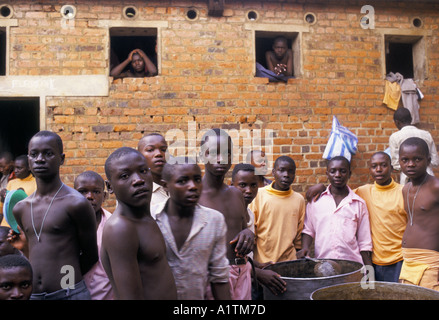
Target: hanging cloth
<point>341,142</point>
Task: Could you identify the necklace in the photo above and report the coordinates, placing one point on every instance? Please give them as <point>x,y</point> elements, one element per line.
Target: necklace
<point>38,235</point>
<point>412,209</point>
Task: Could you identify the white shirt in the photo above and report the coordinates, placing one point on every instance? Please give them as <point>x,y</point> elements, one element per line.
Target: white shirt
<point>158,194</point>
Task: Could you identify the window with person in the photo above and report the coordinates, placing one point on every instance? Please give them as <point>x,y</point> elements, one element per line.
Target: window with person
<point>133,52</point>
<point>277,55</point>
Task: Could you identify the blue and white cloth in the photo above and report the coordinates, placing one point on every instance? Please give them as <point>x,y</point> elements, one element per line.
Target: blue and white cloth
<point>342,142</point>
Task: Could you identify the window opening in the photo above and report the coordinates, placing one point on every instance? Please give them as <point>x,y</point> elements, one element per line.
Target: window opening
<point>405,55</point>
<point>19,122</point>
<point>124,41</point>
<point>264,41</point>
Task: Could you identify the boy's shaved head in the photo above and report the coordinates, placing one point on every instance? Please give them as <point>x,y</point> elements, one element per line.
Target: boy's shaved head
<point>403,115</point>
<point>242,167</point>
<point>418,142</point>
<point>215,132</point>
<point>286,159</point>
<point>92,175</point>
<point>53,135</point>
<point>280,39</point>
<point>117,155</point>
<point>141,142</point>
<point>10,261</point>
<point>382,153</point>
<point>218,134</point>
<point>340,158</point>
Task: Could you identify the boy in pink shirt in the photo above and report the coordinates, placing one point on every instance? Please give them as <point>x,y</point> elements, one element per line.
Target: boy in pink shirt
<point>338,221</point>
<point>92,186</point>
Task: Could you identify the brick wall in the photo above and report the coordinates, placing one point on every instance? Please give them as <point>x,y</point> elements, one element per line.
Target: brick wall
<point>206,77</point>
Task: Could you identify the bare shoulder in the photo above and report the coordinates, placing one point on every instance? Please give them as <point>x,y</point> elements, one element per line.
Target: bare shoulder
<point>435,181</point>
<point>119,231</point>
<point>434,185</point>
<point>234,191</point>
<point>74,196</point>
<point>118,225</point>
<point>75,202</point>
<point>269,53</point>
<point>21,207</point>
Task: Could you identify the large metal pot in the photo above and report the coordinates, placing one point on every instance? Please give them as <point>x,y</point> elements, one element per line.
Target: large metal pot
<point>302,281</point>
<point>374,290</point>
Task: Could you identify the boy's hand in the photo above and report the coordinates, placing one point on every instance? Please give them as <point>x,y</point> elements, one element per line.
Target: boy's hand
<point>245,241</point>
<point>130,56</point>
<point>280,68</point>
<point>17,240</point>
<point>3,195</point>
<point>271,280</point>
<point>302,253</point>
<point>314,192</point>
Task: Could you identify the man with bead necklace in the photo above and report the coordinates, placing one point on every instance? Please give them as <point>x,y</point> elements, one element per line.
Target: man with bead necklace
<point>57,226</point>
<point>420,243</point>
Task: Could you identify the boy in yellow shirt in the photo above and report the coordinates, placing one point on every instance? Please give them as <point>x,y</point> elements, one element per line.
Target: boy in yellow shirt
<point>23,177</point>
<point>23,180</point>
<point>279,215</point>
<point>387,216</point>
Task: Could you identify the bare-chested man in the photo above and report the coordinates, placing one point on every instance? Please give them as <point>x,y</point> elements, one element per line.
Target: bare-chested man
<point>133,250</point>
<point>216,154</point>
<point>280,60</point>
<point>59,226</point>
<point>420,243</point>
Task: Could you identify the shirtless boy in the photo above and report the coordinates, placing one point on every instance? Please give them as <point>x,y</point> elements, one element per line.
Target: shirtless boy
<point>133,250</point>
<point>59,225</point>
<point>280,60</point>
<point>216,154</point>
<point>420,243</point>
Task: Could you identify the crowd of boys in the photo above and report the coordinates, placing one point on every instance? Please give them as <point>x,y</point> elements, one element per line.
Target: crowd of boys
<point>177,233</point>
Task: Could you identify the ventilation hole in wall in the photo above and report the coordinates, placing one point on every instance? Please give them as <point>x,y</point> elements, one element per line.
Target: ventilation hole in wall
<point>192,14</point>
<point>129,12</point>
<point>252,15</point>
<point>5,11</point>
<point>68,12</point>
<point>417,22</point>
<point>310,18</point>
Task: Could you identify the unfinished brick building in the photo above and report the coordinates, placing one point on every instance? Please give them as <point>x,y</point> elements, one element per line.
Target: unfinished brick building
<point>55,64</point>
